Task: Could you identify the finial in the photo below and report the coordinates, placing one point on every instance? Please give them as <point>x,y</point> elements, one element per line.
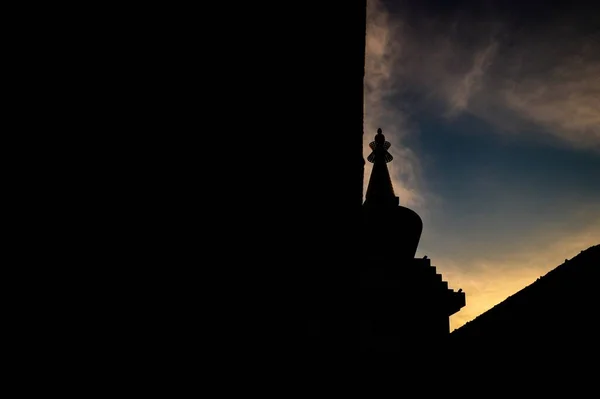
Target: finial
<point>379,137</point>
<point>380,190</point>
<point>380,147</point>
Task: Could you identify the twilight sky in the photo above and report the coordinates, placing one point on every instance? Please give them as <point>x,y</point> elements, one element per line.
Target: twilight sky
<point>493,112</point>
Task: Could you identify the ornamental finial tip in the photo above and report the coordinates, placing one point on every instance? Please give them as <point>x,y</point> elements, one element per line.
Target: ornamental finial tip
<point>379,130</point>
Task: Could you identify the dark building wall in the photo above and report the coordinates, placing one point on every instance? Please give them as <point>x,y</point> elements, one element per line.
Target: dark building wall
<point>268,163</point>
<point>323,109</point>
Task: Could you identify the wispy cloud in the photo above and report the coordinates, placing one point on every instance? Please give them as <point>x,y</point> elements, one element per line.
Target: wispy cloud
<point>472,82</point>
<point>384,51</point>
<point>565,100</point>
<point>542,81</point>
<point>525,82</point>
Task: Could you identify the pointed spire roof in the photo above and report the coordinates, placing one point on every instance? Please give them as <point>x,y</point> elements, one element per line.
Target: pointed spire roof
<point>391,225</point>
<point>380,191</point>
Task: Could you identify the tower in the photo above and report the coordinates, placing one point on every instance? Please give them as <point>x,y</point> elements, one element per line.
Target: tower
<point>404,301</point>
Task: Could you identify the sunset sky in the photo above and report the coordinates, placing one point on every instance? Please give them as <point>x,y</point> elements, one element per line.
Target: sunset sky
<point>493,112</point>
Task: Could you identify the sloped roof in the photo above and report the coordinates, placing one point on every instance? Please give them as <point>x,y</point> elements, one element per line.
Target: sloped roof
<point>556,297</point>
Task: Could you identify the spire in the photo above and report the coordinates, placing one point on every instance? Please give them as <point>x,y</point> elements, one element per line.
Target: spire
<point>394,226</point>
<point>380,191</point>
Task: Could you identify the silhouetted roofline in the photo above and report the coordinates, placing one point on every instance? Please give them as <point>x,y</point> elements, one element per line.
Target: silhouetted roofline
<point>496,311</point>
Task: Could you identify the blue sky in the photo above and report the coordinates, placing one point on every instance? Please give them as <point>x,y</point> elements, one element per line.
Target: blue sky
<point>493,112</point>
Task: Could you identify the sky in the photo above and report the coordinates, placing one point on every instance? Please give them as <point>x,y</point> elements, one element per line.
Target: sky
<point>493,112</point>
